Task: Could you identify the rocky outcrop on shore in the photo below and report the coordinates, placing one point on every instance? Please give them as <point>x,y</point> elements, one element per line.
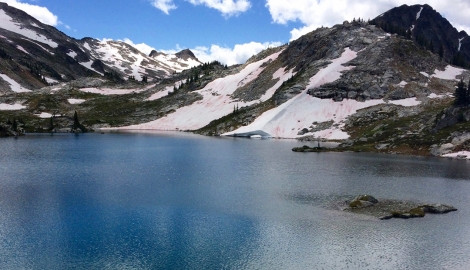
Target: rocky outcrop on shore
<point>388,209</point>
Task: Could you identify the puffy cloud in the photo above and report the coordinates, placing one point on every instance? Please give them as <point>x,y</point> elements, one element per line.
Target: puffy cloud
<point>42,14</point>
<point>164,5</point>
<point>317,13</point>
<point>226,7</point>
<point>146,49</point>
<point>238,55</point>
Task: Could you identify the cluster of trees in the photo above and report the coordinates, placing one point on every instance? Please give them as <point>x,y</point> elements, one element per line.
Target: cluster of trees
<point>4,55</point>
<point>462,94</point>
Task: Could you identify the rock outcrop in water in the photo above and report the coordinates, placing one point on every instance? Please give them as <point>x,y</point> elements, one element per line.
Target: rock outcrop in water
<point>388,209</point>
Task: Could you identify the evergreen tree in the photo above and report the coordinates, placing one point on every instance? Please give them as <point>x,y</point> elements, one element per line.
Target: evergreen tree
<point>51,127</point>
<point>467,99</point>
<point>461,94</point>
<point>14,126</point>
<point>76,123</point>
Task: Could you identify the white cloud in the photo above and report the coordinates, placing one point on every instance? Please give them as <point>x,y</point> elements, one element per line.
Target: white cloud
<point>226,7</point>
<point>230,56</point>
<point>42,14</point>
<point>146,49</point>
<point>317,13</point>
<point>164,5</point>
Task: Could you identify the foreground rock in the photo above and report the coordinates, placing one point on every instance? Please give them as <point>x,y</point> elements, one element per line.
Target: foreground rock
<point>387,209</point>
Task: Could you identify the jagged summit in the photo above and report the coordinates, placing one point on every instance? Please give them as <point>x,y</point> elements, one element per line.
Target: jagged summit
<point>186,54</point>
<point>429,28</point>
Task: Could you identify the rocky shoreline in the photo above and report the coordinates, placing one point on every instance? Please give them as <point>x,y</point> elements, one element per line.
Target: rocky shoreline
<point>388,209</point>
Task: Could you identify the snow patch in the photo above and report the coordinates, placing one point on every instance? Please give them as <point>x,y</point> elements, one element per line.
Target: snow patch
<point>44,115</point>
<point>72,54</point>
<point>459,155</point>
<point>164,92</point>
<point>402,84</point>
<point>9,107</point>
<point>110,91</point>
<point>450,73</point>
<point>10,25</point>
<point>424,74</point>
<point>40,46</point>
<point>407,102</point>
<point>88,65</point>
<point>14,86</point>
<point>22,49</point>
<point>75,101</point>
<point>50,80</point>
<point>460,43</point>
<point>419,13</point>
<point>433,95</point>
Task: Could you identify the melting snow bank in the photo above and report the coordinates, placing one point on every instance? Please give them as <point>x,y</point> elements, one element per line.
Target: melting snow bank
<point>8,107</point>
<point>459,155</point>
<point>450,73</point>
<point>109,91</point>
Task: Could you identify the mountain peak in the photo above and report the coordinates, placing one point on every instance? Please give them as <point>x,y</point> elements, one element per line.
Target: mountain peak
<point>428,28</point>
<point>186,54</point>
<point>155,53</point>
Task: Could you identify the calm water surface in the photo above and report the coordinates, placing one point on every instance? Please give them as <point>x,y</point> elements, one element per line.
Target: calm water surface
<point>180,201</point>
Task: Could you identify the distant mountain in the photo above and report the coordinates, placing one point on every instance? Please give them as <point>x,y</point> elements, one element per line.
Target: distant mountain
<point>429,29</point>
<point>34,55</point>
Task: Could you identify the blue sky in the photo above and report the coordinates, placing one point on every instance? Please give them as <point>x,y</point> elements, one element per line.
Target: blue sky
<point>226,30</point>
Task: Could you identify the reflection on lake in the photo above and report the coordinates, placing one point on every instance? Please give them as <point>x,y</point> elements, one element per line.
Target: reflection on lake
<point>175,200</point>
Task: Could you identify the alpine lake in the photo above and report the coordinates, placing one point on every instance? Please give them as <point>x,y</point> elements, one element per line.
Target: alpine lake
<point>173,200</point>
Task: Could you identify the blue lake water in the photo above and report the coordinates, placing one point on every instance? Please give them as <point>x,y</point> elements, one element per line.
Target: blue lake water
<point>181,201</point>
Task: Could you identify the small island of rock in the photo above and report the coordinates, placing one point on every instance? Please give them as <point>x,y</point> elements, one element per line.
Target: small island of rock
<point>387,209</point>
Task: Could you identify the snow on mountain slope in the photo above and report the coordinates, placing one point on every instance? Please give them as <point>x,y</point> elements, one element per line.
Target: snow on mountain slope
<point>175,63</point>
<point>9,24</point>
<point>216,101</point>
<point>14,86</point>
<point>130,61</point>
<point>301,111</point>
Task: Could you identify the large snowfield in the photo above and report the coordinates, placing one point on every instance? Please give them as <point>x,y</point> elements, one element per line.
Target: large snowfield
<point>216,101</point>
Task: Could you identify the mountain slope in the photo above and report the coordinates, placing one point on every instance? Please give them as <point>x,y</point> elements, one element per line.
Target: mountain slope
<point>34,55</point>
